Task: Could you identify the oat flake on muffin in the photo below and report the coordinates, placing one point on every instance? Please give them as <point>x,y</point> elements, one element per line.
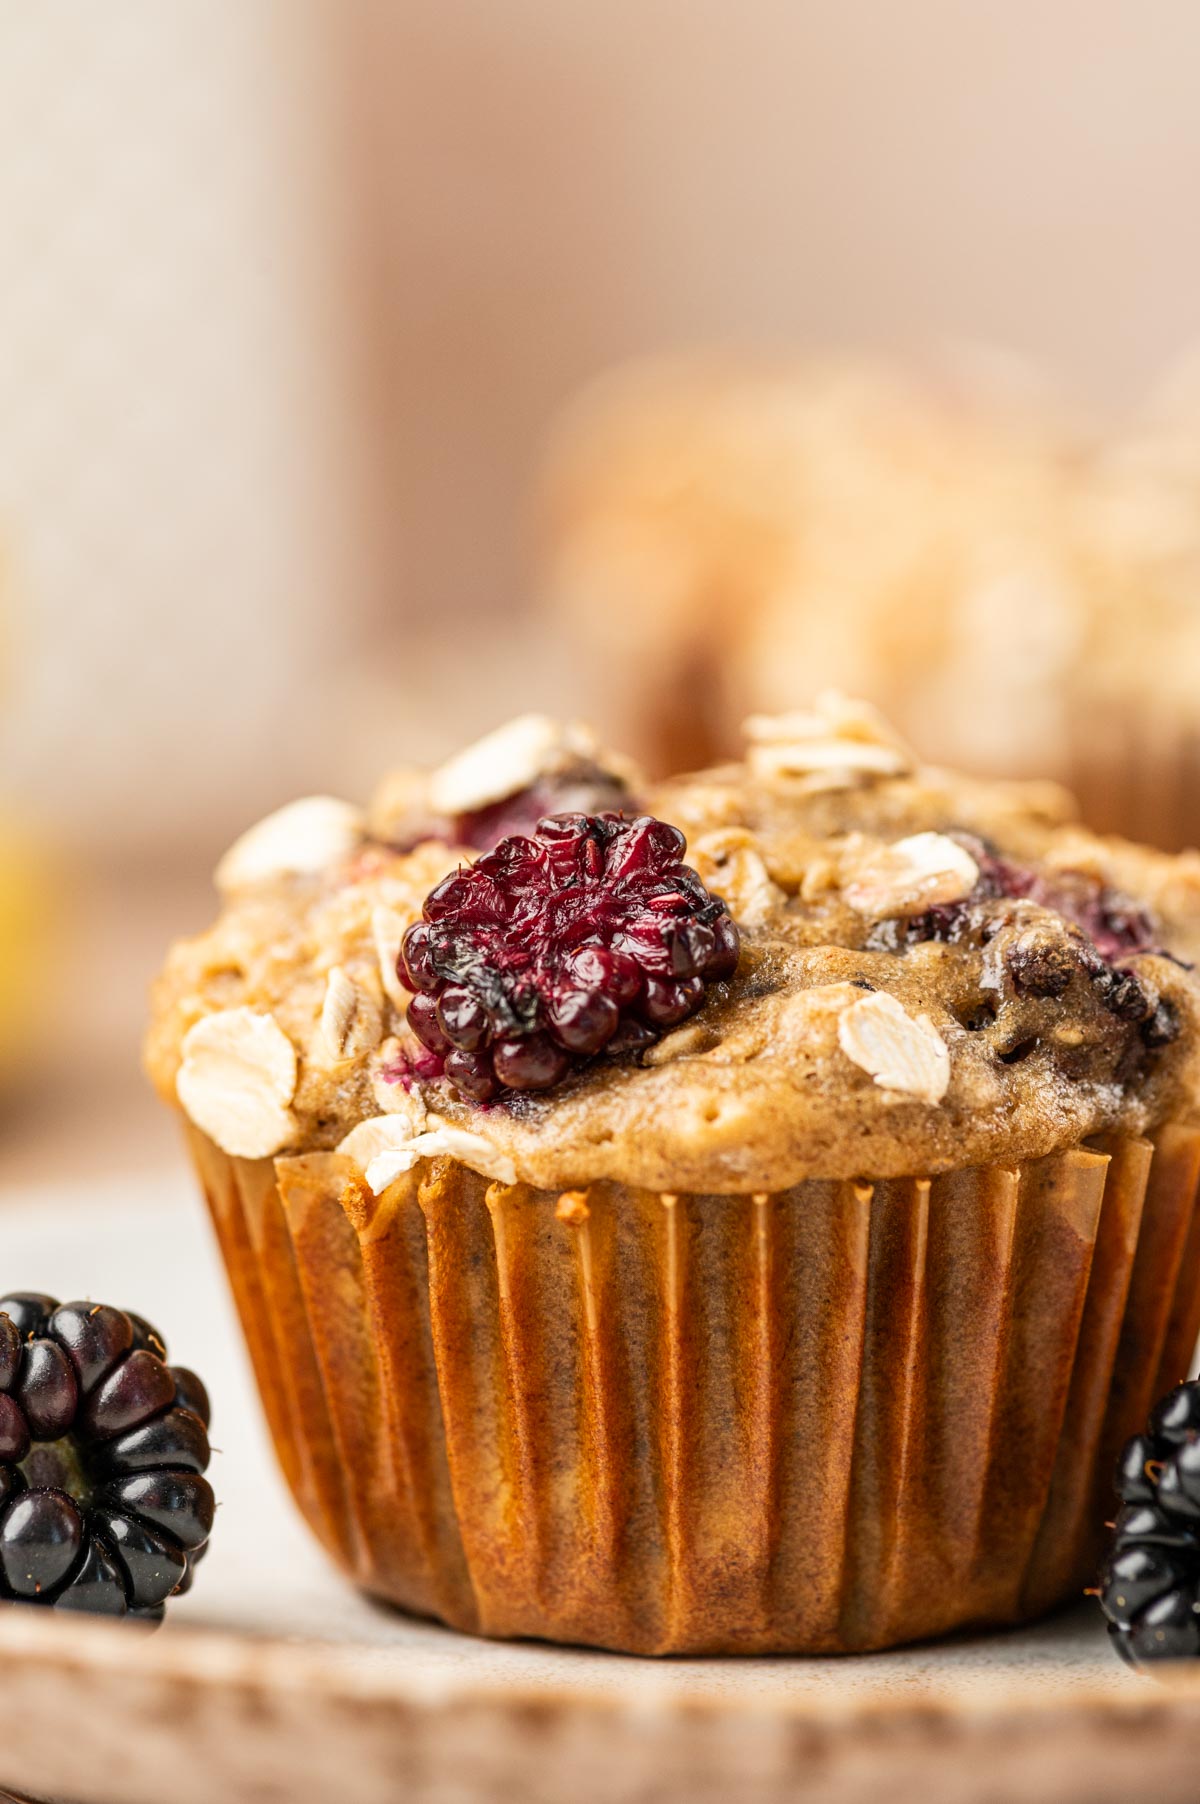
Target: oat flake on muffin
<point>1051,966</point>
<point>741,1213</point>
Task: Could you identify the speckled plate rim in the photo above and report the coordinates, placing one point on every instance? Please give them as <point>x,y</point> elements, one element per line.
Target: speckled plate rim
<point>90,1711</point>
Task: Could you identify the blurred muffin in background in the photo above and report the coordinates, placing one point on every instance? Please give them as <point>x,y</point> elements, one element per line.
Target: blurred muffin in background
<point>1015,590</point>
<point>1133,706</point>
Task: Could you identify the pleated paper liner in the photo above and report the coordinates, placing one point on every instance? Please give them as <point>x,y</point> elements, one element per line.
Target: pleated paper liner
<point>1140,774</point>
<point>836,1418</point>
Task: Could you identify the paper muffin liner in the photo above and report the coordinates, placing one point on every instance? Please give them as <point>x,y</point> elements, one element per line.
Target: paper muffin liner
<point>1138,774</point>
<point>829,1419</point>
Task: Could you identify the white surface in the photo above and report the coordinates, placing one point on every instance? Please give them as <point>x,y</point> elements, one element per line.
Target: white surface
<point>145,1243</point>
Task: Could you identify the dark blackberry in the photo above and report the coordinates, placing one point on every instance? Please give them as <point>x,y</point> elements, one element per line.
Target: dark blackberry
<point>104,1506</point>
<point>28,1310</point>
<point>589,937</point>
<point>1150,1584</point>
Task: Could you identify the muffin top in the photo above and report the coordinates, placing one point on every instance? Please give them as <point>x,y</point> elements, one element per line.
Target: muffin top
<point>860,967</point>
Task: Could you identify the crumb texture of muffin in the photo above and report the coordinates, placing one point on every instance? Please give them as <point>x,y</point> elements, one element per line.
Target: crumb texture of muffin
<point>933,972</point>
<point>746,1212</point>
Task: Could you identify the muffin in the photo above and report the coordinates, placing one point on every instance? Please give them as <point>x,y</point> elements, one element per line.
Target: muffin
<point>962,550</point>
<point>763,1247</point>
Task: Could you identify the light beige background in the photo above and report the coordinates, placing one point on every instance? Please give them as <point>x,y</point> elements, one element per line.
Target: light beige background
<point>290,291</point>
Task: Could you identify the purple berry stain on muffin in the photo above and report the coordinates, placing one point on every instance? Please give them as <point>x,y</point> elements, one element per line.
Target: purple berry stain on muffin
<point>1104,929</point>
<point>508,781</point>
<point>586,792</point>
<point>588,937</point>
<point>589,791</point>
<point>104,1506</point>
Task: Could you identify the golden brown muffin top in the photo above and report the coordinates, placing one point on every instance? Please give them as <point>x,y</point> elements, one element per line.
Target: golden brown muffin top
<point>934,973</point>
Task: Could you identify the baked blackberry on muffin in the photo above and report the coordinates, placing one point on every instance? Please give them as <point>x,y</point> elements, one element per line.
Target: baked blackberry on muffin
<point>740,1213</point>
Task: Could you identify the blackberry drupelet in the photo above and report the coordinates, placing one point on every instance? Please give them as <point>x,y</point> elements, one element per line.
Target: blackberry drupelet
<point>1150,1583</point>
<point>104,1506</point>
<point>591,936</point>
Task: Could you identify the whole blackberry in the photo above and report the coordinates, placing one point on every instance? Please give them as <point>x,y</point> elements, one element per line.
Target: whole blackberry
<point>103,1447</point>
<point>1150,1584</point>
<point>591,936</point>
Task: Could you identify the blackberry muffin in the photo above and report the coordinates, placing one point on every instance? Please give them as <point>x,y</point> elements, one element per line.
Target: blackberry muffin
<point>765,1246</point>
<point>948,540</point>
